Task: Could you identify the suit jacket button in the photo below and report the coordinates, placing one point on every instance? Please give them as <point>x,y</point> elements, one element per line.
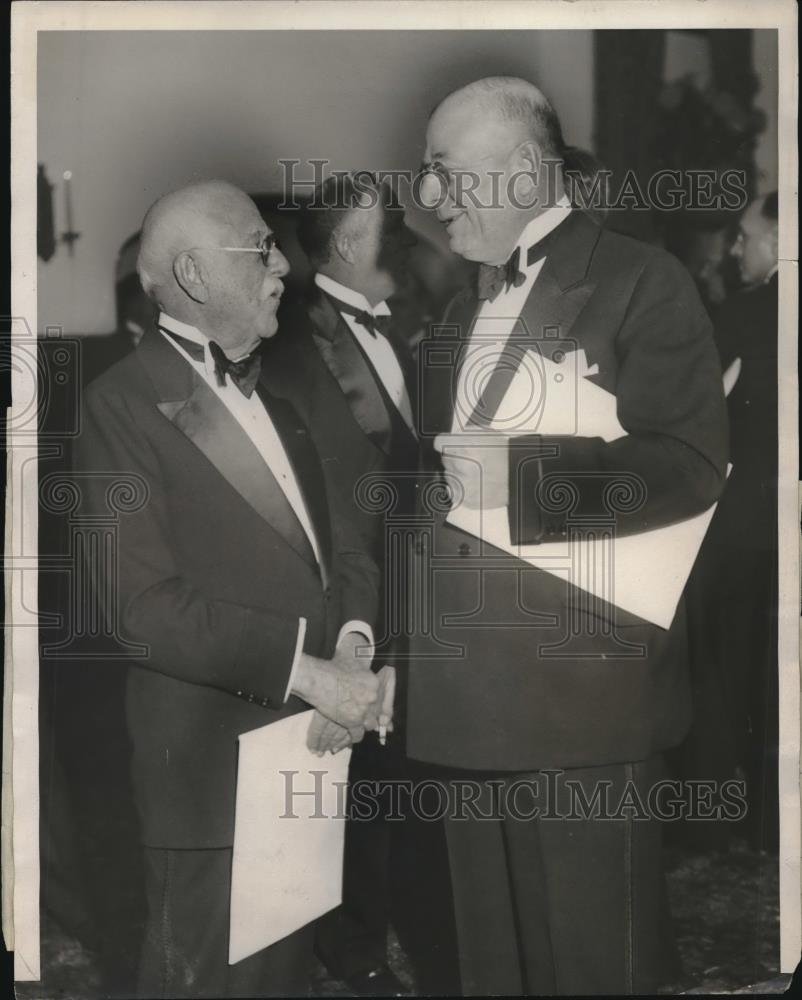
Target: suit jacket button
<point>250,697</point>
<point>464,549</point>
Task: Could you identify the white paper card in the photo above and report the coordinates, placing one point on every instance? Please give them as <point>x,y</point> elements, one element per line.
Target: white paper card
<point>731,376</point>
<point>288,846</point>
<point>644,574</point>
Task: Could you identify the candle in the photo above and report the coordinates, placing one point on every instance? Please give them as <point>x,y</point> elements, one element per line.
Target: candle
<point>68,198</point>
<point>70,236</point>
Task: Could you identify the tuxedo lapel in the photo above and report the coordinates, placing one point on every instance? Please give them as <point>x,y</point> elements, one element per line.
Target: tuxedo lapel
<point>195,410</point>
<point>406,362</point>
<point>348,366</point>
<point>554,303</point>
<point>306,463</point>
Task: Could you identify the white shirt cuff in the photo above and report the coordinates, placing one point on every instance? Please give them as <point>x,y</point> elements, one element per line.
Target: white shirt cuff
<point>365,657</point>
<point>299,648</point>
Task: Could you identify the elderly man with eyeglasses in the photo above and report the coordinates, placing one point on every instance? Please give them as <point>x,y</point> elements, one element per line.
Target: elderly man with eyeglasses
<point>234,576</point>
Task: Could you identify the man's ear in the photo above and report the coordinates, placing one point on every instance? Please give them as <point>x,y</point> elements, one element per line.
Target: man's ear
<point>344,245</point>
<point>190,276</point>
<point>530,161</point>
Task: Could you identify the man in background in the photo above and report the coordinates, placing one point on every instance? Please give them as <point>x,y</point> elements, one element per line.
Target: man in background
<point>733,591</point>
<point>234,574</point>
<point>347,362</point>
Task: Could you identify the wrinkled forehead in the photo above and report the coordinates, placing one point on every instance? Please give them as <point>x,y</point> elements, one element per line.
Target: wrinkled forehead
<point>465,133</point>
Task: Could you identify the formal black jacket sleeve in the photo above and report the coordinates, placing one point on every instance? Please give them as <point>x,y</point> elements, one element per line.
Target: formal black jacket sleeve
<point>224,645</point>
<point>358,575</point>
<point>671,464</point>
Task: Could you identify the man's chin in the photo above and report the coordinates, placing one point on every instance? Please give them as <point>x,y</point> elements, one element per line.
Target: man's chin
<point>463,248</point>
<point>269,329</point>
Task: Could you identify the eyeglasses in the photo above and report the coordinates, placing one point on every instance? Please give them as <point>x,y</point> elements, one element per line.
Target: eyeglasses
<point>265,248</point>
<point>436,179</point>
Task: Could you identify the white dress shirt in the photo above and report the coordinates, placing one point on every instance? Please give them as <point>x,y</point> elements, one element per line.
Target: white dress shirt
<point>378,349</point>
<point>254,419</point>
<point>496,320</point>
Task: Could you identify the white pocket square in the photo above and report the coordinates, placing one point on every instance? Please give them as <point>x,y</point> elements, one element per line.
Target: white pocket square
<point>582,367</point>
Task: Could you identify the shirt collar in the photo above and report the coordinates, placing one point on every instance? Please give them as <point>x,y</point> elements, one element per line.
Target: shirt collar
<point>188,333</point>
<point>183,329</point>
<point>540,227</point>
<point>191,333</point>
<point>345,294</point>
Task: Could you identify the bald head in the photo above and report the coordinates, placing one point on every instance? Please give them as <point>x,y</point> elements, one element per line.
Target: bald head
<point>203,214</point>
<point>511,102</point>
<point>200,261</point>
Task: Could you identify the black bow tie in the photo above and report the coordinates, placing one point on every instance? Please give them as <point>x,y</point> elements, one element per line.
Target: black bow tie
<point>244,373</point>
<point>373,324</point>
<point>492,280</point>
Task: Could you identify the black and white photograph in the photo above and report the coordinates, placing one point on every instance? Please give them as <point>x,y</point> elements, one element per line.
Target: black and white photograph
<point>402,524</point>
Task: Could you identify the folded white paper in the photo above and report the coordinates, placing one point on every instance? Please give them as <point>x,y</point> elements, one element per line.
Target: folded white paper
<point>288,844</point>
<point>731,376</point>
<point>644,574</point>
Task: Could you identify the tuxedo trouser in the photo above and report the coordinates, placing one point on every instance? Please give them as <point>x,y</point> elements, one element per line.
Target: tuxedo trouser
<point>185,949</point>
<point>732,632</point>
<point>351,940</point>
<point>395,870</point>
<point>549,905</point>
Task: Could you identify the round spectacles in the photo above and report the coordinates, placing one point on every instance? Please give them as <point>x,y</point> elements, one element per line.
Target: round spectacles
<point>265,248</point>
<point>435,180</point>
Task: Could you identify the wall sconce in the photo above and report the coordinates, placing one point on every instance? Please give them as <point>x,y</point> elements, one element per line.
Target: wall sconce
<point>46,242</point>
<point>69,236</point>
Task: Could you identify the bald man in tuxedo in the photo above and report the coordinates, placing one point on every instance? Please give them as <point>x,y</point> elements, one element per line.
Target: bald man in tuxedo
<point>236,576</point>
<point>515,675</point>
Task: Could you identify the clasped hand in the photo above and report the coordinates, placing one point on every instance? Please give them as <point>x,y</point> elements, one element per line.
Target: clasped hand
<point>351,700</point>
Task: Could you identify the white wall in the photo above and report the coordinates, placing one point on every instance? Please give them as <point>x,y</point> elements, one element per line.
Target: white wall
<point>134,114</point>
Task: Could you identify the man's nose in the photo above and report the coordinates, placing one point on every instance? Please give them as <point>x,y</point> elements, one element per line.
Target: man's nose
<point>277,264</point>
<point>433,190</point>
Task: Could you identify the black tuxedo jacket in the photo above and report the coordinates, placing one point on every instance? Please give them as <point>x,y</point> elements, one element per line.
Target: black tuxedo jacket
<point>746,328</point>
<point>515,669</point>
<point>213,573</point>
<point>357,429</point>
